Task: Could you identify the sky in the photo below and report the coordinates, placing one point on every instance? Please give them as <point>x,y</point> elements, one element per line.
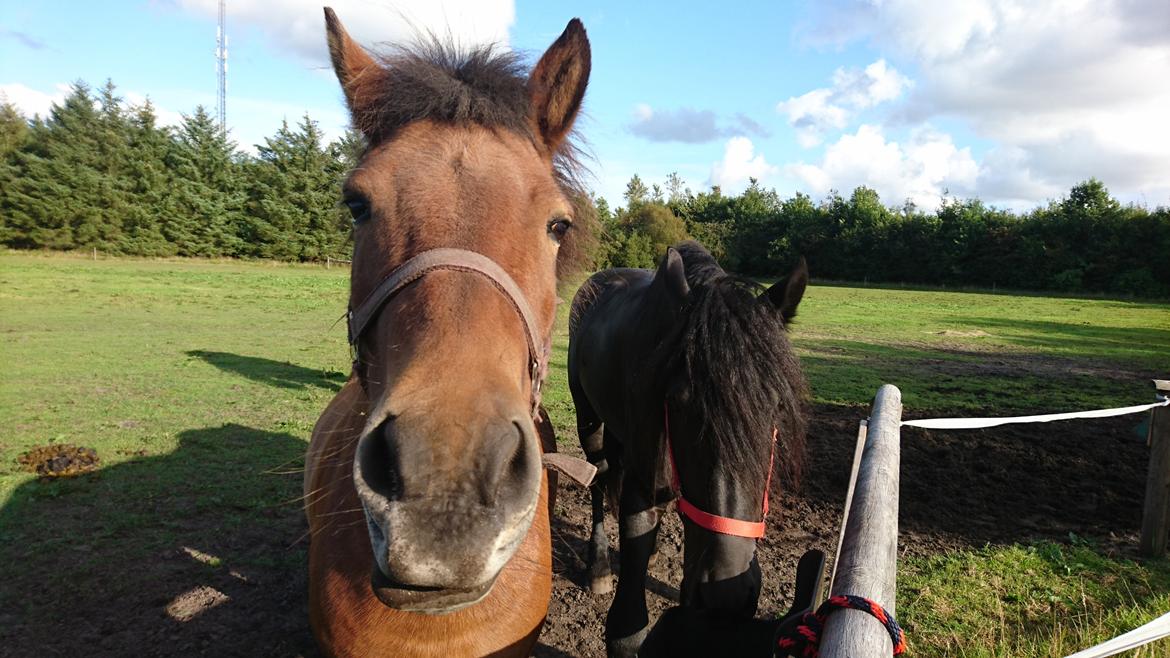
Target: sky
<point>1008,101</point>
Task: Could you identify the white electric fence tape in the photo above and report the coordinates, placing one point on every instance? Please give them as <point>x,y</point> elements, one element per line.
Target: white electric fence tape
<point>978,423</point>
<point>1155,630</point>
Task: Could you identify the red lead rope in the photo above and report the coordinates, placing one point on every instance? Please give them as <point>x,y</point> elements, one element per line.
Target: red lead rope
<point>720,524</point>
<point>805,639</point>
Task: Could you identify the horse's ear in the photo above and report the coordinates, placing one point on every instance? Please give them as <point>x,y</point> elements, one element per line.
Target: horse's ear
<point>557,85</point>
<point>672,275</point>
<point>351,62</point>
<point>786,293</point>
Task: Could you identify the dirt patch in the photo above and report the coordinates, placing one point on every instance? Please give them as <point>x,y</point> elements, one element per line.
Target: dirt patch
<point>1000,365</point>
<point>239,589</point>
<point>975,333</point>
<point>59,460</point>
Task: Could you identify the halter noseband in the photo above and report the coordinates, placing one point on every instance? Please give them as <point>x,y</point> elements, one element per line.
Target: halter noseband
<point>456,260</point>
<point>719,524</point>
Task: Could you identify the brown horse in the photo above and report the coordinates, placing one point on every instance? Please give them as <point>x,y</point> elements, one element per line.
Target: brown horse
<point>423,480</point>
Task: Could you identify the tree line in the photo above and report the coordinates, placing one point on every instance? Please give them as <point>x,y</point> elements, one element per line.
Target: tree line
<point>1084,242</point>
<point>96,173</point>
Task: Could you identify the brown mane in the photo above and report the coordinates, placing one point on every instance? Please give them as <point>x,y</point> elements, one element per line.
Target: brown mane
<point>487,86</point>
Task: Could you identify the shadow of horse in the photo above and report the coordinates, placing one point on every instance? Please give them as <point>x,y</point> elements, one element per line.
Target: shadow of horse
<point>281,374</point>
<point>196,552</point>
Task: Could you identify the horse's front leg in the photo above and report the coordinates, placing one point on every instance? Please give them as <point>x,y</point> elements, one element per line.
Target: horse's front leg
<point>604,453</point>
<point>628,620</point>
<point>593,436</point>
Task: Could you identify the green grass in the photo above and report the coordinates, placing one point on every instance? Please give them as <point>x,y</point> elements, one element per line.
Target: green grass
<point>946,350</point>
<point>126,356</point>
<point>1042,600</point>
<point>213,373</point>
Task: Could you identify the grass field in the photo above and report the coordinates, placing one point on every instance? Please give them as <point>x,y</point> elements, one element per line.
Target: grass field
<point>214,373</point>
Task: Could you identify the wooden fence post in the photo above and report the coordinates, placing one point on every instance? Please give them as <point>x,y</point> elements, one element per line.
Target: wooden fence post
<point>1156,512</point>
<point>867,563</point>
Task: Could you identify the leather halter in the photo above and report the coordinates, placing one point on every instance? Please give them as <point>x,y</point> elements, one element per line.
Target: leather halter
<point>456,260</point>
<point>715,523</point>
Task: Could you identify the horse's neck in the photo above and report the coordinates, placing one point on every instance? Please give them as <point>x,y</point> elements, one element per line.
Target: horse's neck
<point>334,437</point>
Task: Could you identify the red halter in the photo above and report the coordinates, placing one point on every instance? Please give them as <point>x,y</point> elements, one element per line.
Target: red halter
<point>720,524</point>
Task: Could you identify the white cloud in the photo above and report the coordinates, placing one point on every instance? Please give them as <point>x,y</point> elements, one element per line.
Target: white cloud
<point>739,164</point>
<point>921,170</point>
<point>876,83</point>
<point>812,115</point>
<point>299,25</point>
<point>823,110</point>
<point>33,102</point>
<point>1067,89</point>
<point>1006,175</point>
<point>166,117</point>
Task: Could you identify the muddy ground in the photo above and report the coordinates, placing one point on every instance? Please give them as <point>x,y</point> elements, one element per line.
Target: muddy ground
<point>959,489</point>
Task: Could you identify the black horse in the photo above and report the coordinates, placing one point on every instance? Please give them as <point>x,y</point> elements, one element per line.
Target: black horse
<point>689,365</point>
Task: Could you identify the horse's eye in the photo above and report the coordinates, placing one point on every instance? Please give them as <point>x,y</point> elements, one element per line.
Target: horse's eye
<point>358,206</point>
<point>558,227</point>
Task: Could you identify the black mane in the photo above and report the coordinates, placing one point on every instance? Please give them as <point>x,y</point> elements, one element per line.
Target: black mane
<point>731,362</point>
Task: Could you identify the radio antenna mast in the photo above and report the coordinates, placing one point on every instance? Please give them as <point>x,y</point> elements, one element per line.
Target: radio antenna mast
<point>221,54</point>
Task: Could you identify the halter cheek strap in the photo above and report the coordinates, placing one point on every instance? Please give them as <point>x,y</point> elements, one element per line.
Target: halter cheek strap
<point>456,260</point>
<point>461,260</point>
<point>720,524</point>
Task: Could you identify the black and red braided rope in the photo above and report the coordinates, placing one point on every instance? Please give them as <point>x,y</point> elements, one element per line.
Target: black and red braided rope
<point>805,638</point>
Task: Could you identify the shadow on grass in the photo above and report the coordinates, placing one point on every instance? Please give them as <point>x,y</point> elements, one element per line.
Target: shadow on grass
<point>272,373</point>
<point>951,381</point>
<point>1146,344</point>
<point>190,553</point>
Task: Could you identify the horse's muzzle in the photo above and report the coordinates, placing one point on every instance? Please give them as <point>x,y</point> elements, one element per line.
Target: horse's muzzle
<point>721,574</point>
<point>441,531</point>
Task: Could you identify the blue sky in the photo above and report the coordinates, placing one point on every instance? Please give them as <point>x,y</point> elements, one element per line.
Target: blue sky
<point>916,99</point>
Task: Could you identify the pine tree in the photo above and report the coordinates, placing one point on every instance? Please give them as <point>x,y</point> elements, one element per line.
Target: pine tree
<point>13,128</point>
<point>55,179</point>
<point>149,183</point>
<point>208,196</point>
<point>14,137</point>
<point>292,210</point>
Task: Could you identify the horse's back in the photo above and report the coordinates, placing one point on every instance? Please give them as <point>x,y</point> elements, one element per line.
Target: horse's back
<point>602,322</point>
<point>604,309</point>
<point>603,288</point>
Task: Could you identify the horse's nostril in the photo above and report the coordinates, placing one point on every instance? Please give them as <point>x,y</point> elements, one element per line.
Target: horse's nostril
<point>500,455</point>
<point>378,460</point>
<point>518,465</point>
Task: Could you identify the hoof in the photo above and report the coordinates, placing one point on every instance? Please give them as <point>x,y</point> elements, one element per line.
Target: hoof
<point>626,647</point>
<point>601,584</point>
